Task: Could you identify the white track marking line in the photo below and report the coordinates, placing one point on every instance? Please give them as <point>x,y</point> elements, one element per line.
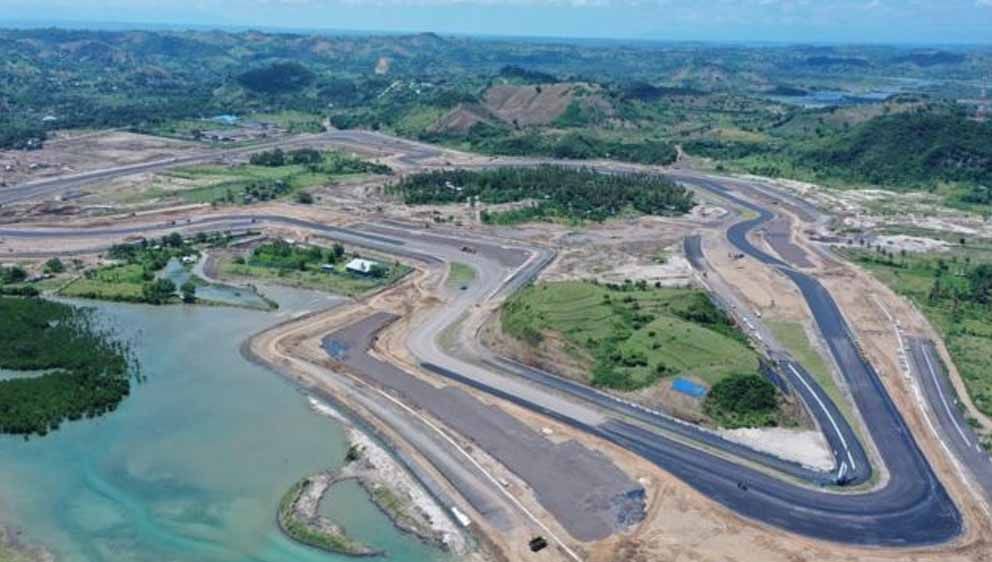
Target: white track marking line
<point>485,472</point>
<point>978,497</point>
<point>830,416</point>
<point>943,397</point>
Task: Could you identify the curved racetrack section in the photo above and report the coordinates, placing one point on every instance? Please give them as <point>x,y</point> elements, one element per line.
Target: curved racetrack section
<point>912,508</point>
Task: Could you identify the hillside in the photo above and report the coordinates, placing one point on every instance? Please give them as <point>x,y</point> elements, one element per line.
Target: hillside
<point>529,105</point>
<point>908,150</point>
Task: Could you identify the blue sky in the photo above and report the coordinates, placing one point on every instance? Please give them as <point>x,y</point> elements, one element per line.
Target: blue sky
<point>871,21</point>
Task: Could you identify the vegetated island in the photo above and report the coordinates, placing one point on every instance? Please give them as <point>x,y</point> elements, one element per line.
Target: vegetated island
<point>388,485</point>
<point>553,193</point>
<point>76,369</point>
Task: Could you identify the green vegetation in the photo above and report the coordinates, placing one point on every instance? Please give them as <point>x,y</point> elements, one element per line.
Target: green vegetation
<point>271,175</point>
<point>743,400</point>
<point>904,146</point>
<point>277,78</point>
<point>54,266</point>
<point>12,274</point>
<point>487,138</point>
<point>321,533</point>
<point>956,296</point>
<point>133,278</point>
<point>793,336</point>
<point>460,275</point>
<point>85,373</point>
<point>558,192</point>
<point>303,266</point>
<point>906,150</point>
<point>796,112</point>
<point>632,335</point>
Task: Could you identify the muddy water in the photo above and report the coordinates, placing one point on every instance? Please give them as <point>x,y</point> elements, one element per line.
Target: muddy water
<point>192,465</point>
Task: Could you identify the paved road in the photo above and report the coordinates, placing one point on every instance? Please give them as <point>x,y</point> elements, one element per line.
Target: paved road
<point>912,508</point>
<point>593,502</point>
<point>943,400</point>
<point>851,463</point>
<point>413,152</point>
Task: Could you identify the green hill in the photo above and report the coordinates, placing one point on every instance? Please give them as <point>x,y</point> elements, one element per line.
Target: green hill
<point>907,150</point>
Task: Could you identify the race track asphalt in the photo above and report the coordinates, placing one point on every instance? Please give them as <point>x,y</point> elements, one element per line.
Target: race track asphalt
<point>911,508</point>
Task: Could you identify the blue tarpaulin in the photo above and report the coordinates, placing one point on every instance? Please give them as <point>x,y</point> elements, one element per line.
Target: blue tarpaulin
<point>688,387</point>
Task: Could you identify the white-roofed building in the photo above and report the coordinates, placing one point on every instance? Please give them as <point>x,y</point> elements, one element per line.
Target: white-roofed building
<point>362,266</point>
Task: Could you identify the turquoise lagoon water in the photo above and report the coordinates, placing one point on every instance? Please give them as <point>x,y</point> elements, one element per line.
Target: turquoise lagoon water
<point>191,467</point>
<point>224,294</point>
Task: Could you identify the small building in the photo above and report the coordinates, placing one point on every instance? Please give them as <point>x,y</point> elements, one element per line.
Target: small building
<point>361,266</point>
<point>328,267</point>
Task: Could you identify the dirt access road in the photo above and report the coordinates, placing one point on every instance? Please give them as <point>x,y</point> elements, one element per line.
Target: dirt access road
<point>690,478</point>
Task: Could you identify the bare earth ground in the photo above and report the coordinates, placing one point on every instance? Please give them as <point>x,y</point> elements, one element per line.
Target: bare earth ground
<point>89,152</point>
<point>681,524</point>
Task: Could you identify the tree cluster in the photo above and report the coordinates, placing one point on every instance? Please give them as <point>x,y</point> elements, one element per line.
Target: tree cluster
<point>88,372</point>
<point>557,192</point>
<point>280,254</point>
<point>742,400</point>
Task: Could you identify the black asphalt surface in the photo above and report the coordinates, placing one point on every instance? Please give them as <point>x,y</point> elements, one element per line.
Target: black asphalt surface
<point>944,403</point>
<point>659,420</point>
<point>585,491</point>
<point>913,503</point>
<point>851,463</point>
<point>911,509</point>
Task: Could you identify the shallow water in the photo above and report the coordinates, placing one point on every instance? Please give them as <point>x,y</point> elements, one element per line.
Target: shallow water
<point>346,503</point>
<point>192,465</point>
<point>225,294</point>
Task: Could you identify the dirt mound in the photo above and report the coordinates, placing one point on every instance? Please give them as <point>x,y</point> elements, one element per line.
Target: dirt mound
<point>541,104</point>
<point>463,117</point>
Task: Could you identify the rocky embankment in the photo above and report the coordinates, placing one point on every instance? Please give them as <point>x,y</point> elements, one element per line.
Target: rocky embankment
<point>398,494</point>
<point>300,520</point>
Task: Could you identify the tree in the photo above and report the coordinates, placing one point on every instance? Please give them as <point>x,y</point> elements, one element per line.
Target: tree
<point>13,274</point>
<point>378,271</point>
<point>742,399</point>
<point>980,279</point>
<point>188,291</point>
<point>270,158</point>
<point>338,250</point>
<point>54,265</point>
<point>158,291</point>
<point>304,198</point>
<point>175,240</point>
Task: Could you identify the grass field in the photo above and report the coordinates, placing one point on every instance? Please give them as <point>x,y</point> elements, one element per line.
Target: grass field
<point>339,282</point>
<point>222,183</point>
<point>793,336</point>
<point>116,283</point>
<point>461,275</point>
<point>633,337</point>
<point>965,326</point>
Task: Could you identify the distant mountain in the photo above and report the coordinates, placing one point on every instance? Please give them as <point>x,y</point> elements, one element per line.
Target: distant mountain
<point>821,61</point>
<point>931,59</point>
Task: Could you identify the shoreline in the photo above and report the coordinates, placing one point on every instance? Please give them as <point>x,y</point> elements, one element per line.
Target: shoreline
<point>299,518</point>
<point>394,490</point>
